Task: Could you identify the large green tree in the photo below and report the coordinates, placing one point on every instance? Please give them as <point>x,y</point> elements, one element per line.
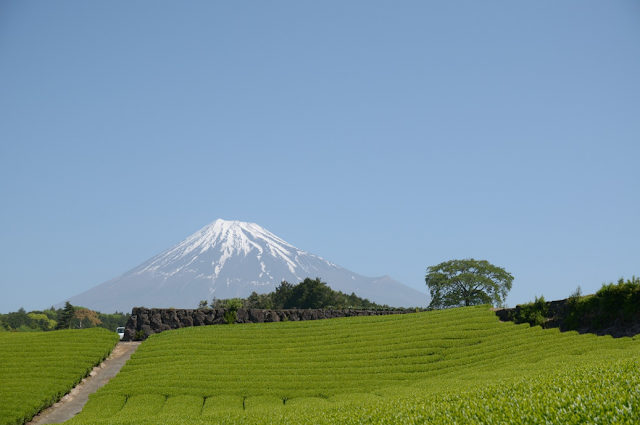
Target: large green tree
<point>458,283</point>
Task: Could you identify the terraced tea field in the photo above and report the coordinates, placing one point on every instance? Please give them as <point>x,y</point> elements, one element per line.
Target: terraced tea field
<point>38,368</point>
<point>460,365</point>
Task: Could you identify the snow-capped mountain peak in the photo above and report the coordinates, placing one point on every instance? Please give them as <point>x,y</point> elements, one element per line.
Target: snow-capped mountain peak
<point>227,259</point>
<point>226,240</point>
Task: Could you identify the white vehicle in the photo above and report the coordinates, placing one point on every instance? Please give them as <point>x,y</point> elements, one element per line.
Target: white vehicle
<point>120,331</point>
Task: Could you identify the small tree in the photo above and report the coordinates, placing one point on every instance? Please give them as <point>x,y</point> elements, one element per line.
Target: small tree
<point>86,314</point>
<point>66,316</point>
<point>467,282</point>
<point>4,327</point>
<point>202,305</point>
<point>534,313</point>
<point>282,294</point>
<point>255,300</point>
<point>232,305</point>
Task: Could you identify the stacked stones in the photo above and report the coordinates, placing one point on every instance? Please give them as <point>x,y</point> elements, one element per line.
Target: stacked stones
<point>151,321</point>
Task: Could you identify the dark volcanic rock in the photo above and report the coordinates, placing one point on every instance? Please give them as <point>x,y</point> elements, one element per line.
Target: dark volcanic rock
<point>558,311</point>
<point>242,316</point>
<point>152,321</point>
<point>256,316</point>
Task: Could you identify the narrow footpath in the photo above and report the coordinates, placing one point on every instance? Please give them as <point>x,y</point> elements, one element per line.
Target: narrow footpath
<point>72,403</point>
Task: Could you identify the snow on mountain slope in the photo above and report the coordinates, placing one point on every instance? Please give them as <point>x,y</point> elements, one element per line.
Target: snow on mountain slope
<point>228,259</point>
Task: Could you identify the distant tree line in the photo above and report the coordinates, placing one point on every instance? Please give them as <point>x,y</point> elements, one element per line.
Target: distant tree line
<point>310,293</point>
<point>67,317</point>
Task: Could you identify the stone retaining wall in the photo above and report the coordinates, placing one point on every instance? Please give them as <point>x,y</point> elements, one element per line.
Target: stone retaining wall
<point>617,327</point>
<point>155,320</point>
<point>555,316</point>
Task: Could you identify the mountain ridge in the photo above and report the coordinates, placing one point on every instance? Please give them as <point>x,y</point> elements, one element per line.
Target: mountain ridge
<point>227,259</point>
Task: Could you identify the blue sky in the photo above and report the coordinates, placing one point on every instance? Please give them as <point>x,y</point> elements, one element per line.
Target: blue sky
<point>384,136</point>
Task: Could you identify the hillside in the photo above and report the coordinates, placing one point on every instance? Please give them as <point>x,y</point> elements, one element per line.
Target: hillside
<point>381,369</point>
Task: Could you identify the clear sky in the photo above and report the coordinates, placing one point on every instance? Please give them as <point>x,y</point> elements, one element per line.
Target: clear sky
<point>383,136</point>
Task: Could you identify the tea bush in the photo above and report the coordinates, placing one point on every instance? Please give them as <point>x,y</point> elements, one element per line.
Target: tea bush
<point>534,313</point>
<point>38,368</point>
<point>460,365</point>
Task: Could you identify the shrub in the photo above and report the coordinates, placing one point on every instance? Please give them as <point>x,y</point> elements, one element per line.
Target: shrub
<point>534,313</point>
<point>230,316</point>
<point>574,298</point>
<point>621,299</point>
<point>612,302</point>
<point>139,336</point>
<point>231,307</point>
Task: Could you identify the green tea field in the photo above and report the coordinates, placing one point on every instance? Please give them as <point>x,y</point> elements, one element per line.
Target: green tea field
<point>449,366</point>
<point>38,368</point>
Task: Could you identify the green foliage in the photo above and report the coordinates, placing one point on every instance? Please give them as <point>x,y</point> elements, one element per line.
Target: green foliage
<point>448,366</point>
<point>47,320</point>
<point>42,321</point>
<point>139,335</point>
<point>262,301</point>
<point>310,293</point>
<point>467,282</point>
<point>612,303</point>
<point>16,319</point>
<point>621,299</point>
<point>52,313</point>
<point>84,318</point>
<point>234,304</point>
<point>231,306</point>
<point>39,368</point>
<point>534,313</point>
<point>230,317</point>
<point>282,294</point>
<point>65,318</point>
<point>113,320</point>
<point>25,328</point>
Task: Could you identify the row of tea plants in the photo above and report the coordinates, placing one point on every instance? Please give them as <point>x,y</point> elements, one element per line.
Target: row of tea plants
<point>38,368</point>
<point>459,365</point>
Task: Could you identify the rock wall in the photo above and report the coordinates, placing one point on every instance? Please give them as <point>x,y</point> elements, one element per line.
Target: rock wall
<point>154,320</point>
<point>558,311</point>
<point>555,316</point>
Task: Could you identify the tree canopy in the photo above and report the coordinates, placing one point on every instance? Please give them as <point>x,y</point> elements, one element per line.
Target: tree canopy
<point>84,314</point>
<point>310,293</point>
<point>66,316</point>
<point>63,318</point>
<point>458,283</point>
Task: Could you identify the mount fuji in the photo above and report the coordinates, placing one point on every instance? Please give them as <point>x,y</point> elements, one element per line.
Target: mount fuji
<point>228,259</point>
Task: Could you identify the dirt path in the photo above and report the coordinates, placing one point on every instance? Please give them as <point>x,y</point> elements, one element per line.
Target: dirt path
<point>72,403</point>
